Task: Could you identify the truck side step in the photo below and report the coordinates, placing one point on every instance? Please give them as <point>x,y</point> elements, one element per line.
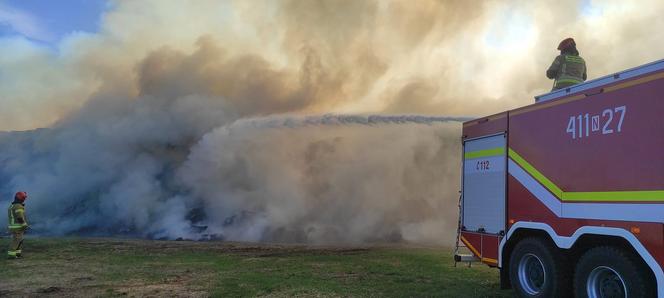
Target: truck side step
<point>462,258</point>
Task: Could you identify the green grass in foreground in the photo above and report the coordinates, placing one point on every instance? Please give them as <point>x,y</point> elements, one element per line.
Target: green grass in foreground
<point>113,267</point>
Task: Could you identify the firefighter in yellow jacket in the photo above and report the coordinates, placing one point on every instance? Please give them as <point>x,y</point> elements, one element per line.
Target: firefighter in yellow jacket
<point>18,223</point>
<point>568,68</point>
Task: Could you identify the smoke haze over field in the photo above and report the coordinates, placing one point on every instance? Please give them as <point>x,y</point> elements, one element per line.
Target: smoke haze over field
<point>191,119</point>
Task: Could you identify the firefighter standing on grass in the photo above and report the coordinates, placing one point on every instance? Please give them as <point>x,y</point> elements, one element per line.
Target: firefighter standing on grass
<point>18,223</point>
<point>568,68</point>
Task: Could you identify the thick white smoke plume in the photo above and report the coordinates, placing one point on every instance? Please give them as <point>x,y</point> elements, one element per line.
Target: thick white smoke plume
<point>202,119</point>
<point>187,156</point>
<point>329,179</point>
<point>327,184</point>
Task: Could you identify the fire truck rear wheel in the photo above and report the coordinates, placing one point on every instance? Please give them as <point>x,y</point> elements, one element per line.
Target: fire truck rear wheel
<point>538,270</point>
<point>608,271</point>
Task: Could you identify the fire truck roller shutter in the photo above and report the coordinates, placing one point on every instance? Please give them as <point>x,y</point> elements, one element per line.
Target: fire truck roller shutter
<point>484,172</point>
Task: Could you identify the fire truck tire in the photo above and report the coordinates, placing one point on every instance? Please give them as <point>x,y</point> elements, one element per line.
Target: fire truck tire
<point>538,270</point>
<point>608,271</point>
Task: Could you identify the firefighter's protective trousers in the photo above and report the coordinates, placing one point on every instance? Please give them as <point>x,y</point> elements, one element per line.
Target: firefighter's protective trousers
<point>18,223</point>
<point>16,245</point>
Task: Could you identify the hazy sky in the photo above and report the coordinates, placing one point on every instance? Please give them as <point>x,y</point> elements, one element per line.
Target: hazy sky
<point>426,56</point>
<point>50,21</point>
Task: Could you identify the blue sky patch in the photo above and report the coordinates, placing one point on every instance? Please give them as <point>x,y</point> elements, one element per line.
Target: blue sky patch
<point>49,21</point>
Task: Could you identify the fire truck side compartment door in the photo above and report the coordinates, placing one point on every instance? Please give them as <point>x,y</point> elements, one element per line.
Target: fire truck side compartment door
<point>484,174</point>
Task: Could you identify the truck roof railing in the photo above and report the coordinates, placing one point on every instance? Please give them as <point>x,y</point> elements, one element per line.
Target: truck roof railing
<point>616,77</point>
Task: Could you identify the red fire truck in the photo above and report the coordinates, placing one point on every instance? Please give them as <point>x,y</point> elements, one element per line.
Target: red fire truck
<point>566,196</point>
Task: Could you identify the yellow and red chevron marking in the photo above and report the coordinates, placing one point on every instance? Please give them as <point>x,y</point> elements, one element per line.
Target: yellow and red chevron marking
<point>477,253</point>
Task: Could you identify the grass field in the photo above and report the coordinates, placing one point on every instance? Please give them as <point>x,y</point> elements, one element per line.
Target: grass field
<point>119,267</point>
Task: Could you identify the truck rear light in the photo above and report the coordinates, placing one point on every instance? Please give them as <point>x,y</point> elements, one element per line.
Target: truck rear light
<point>635,230</point>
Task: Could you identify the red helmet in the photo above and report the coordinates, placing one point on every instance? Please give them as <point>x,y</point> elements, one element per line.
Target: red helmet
<point>567,42</point>
<point>21,196</point>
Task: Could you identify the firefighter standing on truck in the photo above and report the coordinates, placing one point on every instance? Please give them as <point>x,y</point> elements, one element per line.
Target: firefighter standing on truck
<point>568,68</point>
<point>18,223</point>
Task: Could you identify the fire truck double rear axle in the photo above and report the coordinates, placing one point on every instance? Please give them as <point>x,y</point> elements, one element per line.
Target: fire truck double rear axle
<point>566,196</point>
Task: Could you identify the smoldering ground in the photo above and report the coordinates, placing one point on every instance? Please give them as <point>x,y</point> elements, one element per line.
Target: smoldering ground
<point>203,118</point>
